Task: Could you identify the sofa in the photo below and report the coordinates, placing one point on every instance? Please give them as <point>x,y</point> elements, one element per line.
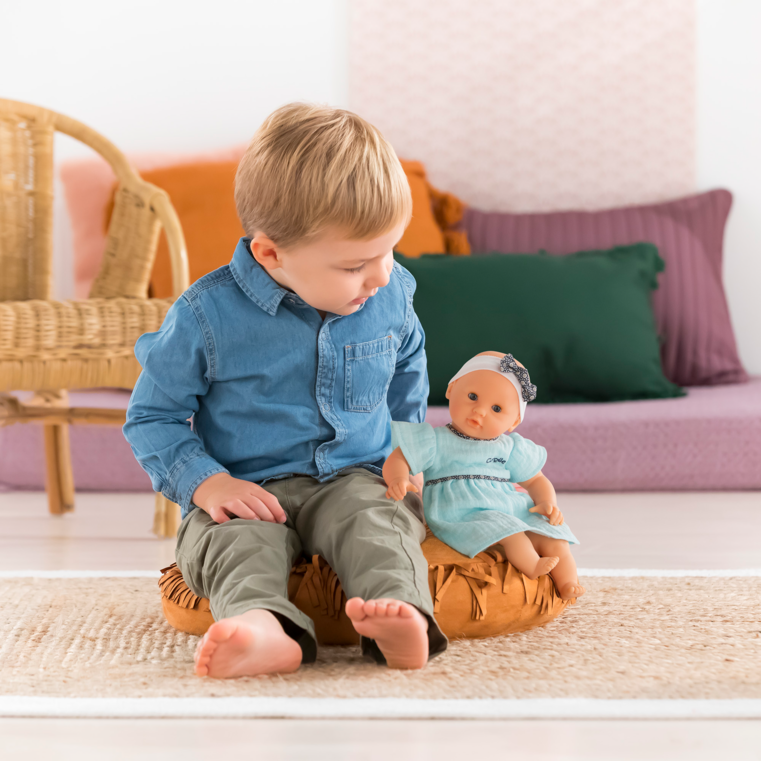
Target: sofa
<point>709,439</point>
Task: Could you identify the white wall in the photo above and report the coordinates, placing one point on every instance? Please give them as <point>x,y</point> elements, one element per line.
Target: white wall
<point>172,74</point>
<point>168,75</point>
<point>729,150</point>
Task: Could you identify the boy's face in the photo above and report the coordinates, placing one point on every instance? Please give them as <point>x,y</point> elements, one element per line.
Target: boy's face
<point>331,273</point>
<point>483,405</point>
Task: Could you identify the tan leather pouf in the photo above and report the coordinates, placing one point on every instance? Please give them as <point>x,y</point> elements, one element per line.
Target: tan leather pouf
<point>474,598</point>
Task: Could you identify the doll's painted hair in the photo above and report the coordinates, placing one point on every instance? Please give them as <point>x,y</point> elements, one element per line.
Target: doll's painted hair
<point>309,167</point>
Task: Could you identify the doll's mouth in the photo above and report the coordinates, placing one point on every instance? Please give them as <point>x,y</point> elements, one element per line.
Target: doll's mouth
<point>474,423</point>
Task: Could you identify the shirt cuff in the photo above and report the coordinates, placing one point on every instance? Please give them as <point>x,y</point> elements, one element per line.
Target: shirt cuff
<point>187,475</point>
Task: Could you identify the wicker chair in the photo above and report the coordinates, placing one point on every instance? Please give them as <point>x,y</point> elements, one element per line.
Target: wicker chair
<point>48,346</point>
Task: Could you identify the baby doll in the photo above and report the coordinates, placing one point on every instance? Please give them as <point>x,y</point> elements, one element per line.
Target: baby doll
<point>470,466</point>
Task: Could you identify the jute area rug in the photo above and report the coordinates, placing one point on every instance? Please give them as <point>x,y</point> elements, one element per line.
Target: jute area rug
<point>627,638</point>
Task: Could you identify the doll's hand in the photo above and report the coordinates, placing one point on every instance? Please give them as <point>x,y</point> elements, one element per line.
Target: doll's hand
<point>552,512</point>
<point>224,497</point>
<point>398,489</point>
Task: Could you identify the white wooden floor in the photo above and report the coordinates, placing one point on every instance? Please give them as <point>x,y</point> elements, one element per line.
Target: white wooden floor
<point>652,531</point>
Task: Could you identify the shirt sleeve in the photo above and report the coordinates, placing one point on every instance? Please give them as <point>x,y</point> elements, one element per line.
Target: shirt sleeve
<point>526,459</point>
<point>408,391</point>
<point>175,374</point>
<point>417,442</point>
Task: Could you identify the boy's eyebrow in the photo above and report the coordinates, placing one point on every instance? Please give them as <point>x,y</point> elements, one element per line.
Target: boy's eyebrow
<point>367,258</point>
<point>361,259</point>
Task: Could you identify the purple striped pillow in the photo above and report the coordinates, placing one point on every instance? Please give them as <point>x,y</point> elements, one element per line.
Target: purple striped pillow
<point>690,307</point>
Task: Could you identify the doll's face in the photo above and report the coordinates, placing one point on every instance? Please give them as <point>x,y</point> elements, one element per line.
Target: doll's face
<point>483,405</point>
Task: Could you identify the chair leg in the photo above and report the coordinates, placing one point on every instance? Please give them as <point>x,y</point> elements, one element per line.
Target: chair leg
<point>166,517</point>
<point>60,477</point>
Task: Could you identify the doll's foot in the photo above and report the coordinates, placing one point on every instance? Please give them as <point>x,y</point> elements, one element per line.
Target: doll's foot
<point>247,645</point>
<point>399,629</point>
<point>571,590</point>
<point>543,567</point>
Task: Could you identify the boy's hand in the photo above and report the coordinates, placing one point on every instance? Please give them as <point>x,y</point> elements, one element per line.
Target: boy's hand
<point>399,488</point>
<point>549,509</point>
<point>224,497</point>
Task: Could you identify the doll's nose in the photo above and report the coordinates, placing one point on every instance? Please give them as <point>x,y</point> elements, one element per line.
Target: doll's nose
<point>480,411</point>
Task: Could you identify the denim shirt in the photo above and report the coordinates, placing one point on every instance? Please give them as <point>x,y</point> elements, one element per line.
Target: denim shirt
<point>273,389</point>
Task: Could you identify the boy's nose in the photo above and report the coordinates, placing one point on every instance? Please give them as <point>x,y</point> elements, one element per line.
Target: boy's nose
<point>378,279</point>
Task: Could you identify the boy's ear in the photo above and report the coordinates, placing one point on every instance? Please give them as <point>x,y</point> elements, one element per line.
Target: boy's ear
<point>265,251</point>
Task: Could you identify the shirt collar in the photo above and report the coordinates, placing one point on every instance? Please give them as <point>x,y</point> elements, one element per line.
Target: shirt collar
<point>253,279</point>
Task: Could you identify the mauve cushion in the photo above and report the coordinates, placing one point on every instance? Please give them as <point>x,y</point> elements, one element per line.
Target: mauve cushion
<point>698,344</point>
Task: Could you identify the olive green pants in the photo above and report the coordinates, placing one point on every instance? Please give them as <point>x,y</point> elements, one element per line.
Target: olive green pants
<point>370,541</point>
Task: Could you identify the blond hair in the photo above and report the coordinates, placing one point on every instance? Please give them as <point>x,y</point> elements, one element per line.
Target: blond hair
<point>312,166</point>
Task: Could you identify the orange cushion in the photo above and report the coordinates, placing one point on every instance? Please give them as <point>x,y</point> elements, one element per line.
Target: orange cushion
<point>433,214</point>
<point>203,194</point>
<point>423,235</point>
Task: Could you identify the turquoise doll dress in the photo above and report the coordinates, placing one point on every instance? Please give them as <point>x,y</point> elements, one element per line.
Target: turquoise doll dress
<point>469,499</point>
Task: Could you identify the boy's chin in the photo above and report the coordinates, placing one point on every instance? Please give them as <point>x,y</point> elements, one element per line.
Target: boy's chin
<point>347,309</point>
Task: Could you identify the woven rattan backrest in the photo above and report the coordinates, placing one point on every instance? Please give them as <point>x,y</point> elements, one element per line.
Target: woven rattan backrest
<point>26,204</point>
<point>26,212</point>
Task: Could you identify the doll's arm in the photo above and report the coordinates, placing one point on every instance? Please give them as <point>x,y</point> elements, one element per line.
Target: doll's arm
<point>396,474</point>
<point>542,492</point>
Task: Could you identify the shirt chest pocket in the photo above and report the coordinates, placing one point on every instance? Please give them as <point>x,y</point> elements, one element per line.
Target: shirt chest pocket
<point>369,370</point>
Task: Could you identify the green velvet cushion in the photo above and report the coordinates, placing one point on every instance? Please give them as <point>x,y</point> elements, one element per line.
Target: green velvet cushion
<point>582,324</point>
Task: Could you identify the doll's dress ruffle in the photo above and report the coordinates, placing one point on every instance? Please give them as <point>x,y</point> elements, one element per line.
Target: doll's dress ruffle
<point>469,499</point>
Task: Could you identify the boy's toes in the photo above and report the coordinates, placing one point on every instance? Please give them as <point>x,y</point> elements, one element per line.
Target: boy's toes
<point>355,609</point>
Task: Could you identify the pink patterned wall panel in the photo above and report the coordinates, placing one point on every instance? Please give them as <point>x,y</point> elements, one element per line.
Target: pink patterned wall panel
<point>533,105</point>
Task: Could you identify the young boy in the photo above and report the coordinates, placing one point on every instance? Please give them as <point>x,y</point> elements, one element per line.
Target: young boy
<point>293,360</point>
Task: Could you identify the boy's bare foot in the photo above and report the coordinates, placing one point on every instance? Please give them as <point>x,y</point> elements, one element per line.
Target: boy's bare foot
<point>399,628</point>
<point>246,645</point>
<point>543,566</point>
<point>571,590</point>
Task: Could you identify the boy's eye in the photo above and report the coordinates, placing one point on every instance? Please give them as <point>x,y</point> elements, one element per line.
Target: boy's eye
<point>356,269</point>
<point>496,408</point>
<point>472,396</point>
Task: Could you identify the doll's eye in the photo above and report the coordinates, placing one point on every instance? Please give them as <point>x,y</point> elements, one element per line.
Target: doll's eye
<point>496,408</point>
<point>472,396</point>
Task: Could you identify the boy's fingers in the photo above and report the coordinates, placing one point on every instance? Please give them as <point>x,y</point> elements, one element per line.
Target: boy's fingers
<point>261,510</point>
<point>270,501</point>
<point>241,510</point>
<point>218,515</point>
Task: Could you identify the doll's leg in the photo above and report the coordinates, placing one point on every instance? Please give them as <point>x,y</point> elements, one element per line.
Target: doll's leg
<point>564,573</point>
<point>521,553</point>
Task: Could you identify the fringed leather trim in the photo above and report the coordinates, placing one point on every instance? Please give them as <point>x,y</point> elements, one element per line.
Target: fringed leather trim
<point>324,589</point>
<point>480,574</point>
<point>322,585</point>
<point>174,588</point>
